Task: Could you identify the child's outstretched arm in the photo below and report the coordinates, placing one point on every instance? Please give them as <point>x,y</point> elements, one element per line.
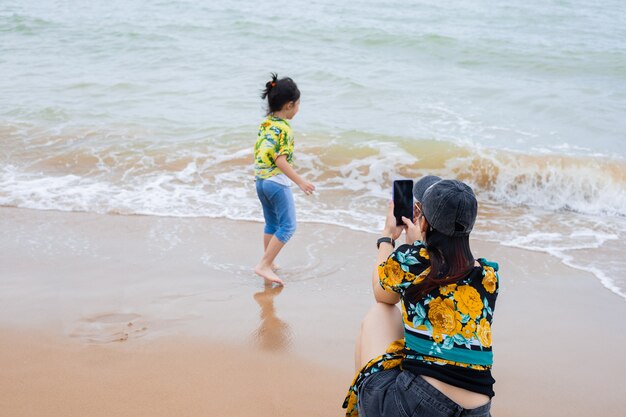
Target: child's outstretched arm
<point>283,165</point>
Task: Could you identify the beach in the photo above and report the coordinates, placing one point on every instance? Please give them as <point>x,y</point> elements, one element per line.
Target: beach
<point>131,223</point>
<point>158,316</point>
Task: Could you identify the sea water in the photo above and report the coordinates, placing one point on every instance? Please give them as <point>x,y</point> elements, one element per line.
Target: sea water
<point>152,107</point>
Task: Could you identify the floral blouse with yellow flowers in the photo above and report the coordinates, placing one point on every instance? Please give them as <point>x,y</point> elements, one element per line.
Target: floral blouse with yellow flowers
<point>447,332</point>
<point>273,139</point>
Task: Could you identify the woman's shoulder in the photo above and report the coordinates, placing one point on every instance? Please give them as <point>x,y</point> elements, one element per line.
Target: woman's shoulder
<point>404,267</point>
<point>486,278</point>
<point>488,264</point>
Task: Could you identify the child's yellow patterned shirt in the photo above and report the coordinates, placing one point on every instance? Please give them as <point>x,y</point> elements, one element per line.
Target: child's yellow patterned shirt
<point>275,138</point>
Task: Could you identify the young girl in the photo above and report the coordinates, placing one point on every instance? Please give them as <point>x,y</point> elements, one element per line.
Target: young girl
<point>273,169</point>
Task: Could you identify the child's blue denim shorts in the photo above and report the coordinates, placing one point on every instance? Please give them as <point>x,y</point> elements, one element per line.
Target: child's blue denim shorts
<point>400,393</point>
<point>279,209</point>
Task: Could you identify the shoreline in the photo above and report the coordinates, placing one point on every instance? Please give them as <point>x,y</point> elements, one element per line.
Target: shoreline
<point>565,256</point>
<point>73,282</point>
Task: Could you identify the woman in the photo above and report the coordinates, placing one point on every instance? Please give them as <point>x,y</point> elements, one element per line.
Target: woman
<point>434,358</point>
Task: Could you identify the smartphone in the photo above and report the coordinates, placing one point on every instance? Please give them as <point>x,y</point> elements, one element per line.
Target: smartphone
<point>402,200</point>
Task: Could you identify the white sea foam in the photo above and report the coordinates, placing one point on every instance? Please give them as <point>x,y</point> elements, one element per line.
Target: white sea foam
<point>566,252</point>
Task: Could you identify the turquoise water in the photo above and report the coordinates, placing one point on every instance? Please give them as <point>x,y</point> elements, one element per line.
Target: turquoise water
<point>531,76</point>
<point>151,107</point>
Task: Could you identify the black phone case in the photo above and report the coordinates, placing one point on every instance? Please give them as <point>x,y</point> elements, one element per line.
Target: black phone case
<point>402,200</point>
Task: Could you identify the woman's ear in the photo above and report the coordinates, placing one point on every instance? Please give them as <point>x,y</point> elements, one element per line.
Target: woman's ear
<point>423,225</point>
<point>417,212</point>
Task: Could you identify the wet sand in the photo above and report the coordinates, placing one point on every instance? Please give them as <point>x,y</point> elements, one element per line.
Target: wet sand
<point>45,375</point>
<point>132,315</point>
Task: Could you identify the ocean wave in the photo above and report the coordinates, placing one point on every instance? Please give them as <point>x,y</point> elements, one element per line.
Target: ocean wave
<point>585,185</point>
<point>591,185</point>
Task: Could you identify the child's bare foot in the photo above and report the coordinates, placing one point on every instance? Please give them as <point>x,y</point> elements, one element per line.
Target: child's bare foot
<point>267,274</point>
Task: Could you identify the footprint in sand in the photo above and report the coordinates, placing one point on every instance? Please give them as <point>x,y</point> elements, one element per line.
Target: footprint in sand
<point>109,328</point>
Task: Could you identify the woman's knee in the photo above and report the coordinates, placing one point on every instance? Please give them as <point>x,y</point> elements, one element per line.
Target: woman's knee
<point>383,310</point>
<point>382,316</point>
<point>381,326</point>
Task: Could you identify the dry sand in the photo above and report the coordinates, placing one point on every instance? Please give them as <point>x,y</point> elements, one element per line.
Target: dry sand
<point>106,315</point>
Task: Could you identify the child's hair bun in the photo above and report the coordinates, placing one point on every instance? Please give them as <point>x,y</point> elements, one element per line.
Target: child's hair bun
<point>279,92</point>
<point>271,83</point>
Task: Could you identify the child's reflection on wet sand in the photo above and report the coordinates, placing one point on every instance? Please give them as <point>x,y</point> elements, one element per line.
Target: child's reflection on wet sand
<point>273,334</point>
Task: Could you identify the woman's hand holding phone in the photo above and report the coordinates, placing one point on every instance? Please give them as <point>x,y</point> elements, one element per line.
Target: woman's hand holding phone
<point>413,231</point>
<point>390,228</point>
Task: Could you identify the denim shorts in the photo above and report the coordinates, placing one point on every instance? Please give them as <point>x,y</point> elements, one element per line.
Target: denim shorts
<point>279,209</point>
<point>400,393</point>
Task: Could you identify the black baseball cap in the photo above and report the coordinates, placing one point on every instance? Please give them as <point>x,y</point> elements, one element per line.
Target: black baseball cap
<point>450,207</point>
<point>422,185</point>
